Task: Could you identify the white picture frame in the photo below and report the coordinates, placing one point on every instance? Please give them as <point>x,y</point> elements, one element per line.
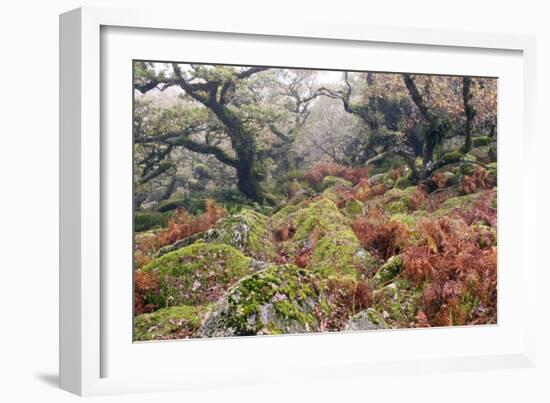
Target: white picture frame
<point>85,344</point>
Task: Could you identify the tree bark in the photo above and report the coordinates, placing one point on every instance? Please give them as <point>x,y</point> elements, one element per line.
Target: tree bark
<point>242,141</point>
<point>432,133</point>
<point>469,112</point>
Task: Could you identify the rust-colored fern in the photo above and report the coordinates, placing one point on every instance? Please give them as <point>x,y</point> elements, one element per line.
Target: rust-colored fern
<point>459,274</point>
<point>379,235</point>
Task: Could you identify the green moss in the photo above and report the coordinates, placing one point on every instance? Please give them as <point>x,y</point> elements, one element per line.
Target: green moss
<point>396,207</point>
<point>338,249</point>
<point>397,201</point>
<point>322,213</point>
<point>198,273</point>
<point>145,220</point>
<point>172,204</point>
<point>411,221</point>
<point>403,182</point>
<point>167,323</point>
<point>353,207</point>
<point>384,178</point>
<point>481,141</point>
<point>452,203</point>
<point>393,194</point>
<point>280,299</point>
<point>389,163</point>
<point>340,253</point>
<point>376,317</point>
<point>469,303</point>
<point>482,154</point>
<point>452,157</point>
<point>331,194</point>
<point>377,179</point>
<point>368,319</point>
<point>388,271</point>
<point>283,212</point>
<point>467,169</point>
<point>248,231</point>
<point>330,181</point>
<point>489,233</point>
<point>398,301</point>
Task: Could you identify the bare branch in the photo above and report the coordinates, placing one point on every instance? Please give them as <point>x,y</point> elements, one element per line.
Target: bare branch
<point>253,70</point>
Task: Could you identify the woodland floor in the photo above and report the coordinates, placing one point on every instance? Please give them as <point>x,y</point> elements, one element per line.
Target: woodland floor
<point>343,250</point>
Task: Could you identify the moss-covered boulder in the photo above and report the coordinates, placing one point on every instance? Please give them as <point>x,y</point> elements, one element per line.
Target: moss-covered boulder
<point>353,207</point>
<point>403,182</point>
<point>197,274</point>
<point>331,181</point>
<point>368,319</point>
<point>482,154</point>
<point>396,201</point>
<point>411,221</point>
<point>481,141</point>
<point>176,322</point>
<point>280,299</point>
<point>322,227</point>
<point>382,179</point>
<point>398,302</point>
<point>451,143</point>
<point>146,220</point>
<point>465,202</point>
<point>387,163</point>
<point>469,164</point>
<point>388,271</point>
<point>248,231</point>
<point>182,243</point>
<point>444,178</point>
<point>172,204</point>
<point>451,157</point>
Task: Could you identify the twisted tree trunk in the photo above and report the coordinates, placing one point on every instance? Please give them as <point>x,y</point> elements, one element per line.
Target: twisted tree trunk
<point>469,111</point>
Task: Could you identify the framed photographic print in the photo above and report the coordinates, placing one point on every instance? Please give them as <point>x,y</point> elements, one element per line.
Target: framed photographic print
<point>242,202</point>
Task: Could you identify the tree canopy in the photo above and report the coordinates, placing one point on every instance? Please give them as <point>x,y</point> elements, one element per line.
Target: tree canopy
<point>250,125</point>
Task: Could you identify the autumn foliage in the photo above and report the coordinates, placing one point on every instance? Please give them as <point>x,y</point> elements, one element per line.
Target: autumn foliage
<point>181,225</point>
<point>484,210</point>
<point>458,274</point>
<point>346,297</point>
<point>319,171</point>
<point>145,283</point>
<point>357,203</point>
<point>379,235</point>
<point>304,254</point>
<point>480,179</point>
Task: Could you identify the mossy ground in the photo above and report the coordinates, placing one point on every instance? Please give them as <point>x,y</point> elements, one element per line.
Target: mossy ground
<point>254,273</point>
<point>168,323</point>
<point>397,302</point>
<point>144,221</point>
<point>197,274</point>
<point>337,249</point>
<point>248,231</point>
<point>279,299</point>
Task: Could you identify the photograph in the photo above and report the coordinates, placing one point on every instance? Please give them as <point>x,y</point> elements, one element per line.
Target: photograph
<point>272,200</point>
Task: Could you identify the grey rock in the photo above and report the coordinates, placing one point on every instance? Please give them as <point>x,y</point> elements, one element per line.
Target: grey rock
<point>182,243</point>
<point>366,320</point>
<point>257,265</point>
